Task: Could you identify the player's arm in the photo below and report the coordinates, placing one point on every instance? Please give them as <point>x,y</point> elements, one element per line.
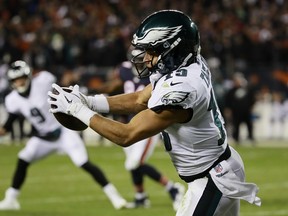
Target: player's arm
<point>8,124</point>
<point>143,125</point>
<point>119,104</point>
<point>110,86</point>
<point>129,103</point>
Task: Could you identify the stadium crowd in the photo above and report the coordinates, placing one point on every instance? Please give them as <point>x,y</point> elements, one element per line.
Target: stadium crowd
<point>87,39</point>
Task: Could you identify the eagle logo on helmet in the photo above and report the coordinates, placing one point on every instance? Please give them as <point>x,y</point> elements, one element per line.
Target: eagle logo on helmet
<point>157,35</point>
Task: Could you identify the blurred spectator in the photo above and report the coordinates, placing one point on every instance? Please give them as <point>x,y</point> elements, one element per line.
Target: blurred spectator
<point>4,90</point>
<point>247,36</point>
<point>278,115</point>
<point>4,87</point>
<point>239,102</point>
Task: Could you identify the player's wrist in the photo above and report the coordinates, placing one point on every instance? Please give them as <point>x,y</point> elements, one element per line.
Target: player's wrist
<point>80,111</point>
<point>98,103</point>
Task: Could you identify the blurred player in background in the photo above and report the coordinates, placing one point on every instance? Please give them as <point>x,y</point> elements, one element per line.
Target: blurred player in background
<point>29,99</point>
<point>125,76</point>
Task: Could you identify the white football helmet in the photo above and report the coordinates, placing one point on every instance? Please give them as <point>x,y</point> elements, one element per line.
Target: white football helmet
<point>19,69</point>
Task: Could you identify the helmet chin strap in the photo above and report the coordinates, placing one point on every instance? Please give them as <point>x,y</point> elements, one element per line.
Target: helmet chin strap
<point>155,76</point>
<point>134,70</point>
<point>185,60</point>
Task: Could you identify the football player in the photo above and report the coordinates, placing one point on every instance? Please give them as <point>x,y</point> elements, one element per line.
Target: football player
<point>28,98</point>
<point>180,103</point>
<point>137,155</point>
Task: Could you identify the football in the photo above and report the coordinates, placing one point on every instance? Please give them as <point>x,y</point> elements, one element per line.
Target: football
<point>68,121</point>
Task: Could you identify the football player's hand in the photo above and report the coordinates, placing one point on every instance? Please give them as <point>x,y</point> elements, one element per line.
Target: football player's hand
<point>96,103</point>
<point>69,104</point>
<point>2,131</point>
<point>75,91</point>
<point>60,100</point>
<point>80,111</point>
<point>70,94</point>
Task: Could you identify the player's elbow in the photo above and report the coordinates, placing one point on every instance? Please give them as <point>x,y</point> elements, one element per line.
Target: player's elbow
<point>129,139</point>
<point>126,142</point>
<point>130,133</point>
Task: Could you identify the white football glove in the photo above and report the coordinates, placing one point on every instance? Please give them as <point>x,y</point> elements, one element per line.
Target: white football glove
<point>69,97</point>
<point>97,103</point>
<point>70,103</point>
<point>80,111</point>
<point>59,101</point>
<point>76,91</point>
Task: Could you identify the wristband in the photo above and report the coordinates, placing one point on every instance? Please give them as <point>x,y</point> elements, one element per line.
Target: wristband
<point>80,111</point>
<point>98,103</point>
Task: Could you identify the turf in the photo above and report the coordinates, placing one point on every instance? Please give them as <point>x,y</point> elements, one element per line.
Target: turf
<point>55,187</point>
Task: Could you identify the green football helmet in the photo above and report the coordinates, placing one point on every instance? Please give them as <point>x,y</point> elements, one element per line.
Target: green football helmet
<point>172,36</point>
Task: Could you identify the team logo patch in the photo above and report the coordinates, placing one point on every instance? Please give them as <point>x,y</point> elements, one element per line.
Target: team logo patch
<point>174,97</point>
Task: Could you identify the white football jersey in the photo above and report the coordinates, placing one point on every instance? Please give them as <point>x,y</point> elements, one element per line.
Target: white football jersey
<point>35,107</point>
<point>193,146</point>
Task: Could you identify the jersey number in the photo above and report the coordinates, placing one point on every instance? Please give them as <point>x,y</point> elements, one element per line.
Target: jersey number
<point>213,107</point>
<point>36,113</point>
<point>212,103</point>
<point>180,73</point>
<point>166,140</point>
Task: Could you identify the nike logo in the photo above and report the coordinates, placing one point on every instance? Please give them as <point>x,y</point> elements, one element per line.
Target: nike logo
<point>176,83</point>
<point>69,101</point>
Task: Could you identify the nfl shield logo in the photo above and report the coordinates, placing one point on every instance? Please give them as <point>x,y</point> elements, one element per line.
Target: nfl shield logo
<point>218,168</point>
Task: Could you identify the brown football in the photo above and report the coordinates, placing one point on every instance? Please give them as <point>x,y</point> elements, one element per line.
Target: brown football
<point>68,121</point>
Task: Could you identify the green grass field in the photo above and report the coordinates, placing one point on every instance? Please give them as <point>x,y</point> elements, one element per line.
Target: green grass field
<point>55,187</point>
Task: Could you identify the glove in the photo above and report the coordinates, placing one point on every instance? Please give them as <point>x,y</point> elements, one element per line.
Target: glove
<point>96,103</point>
<point>59,102</point>
<point>76,92</point>
<point>80,111</point>
<point>70,104</point>
<point>64,98</point>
